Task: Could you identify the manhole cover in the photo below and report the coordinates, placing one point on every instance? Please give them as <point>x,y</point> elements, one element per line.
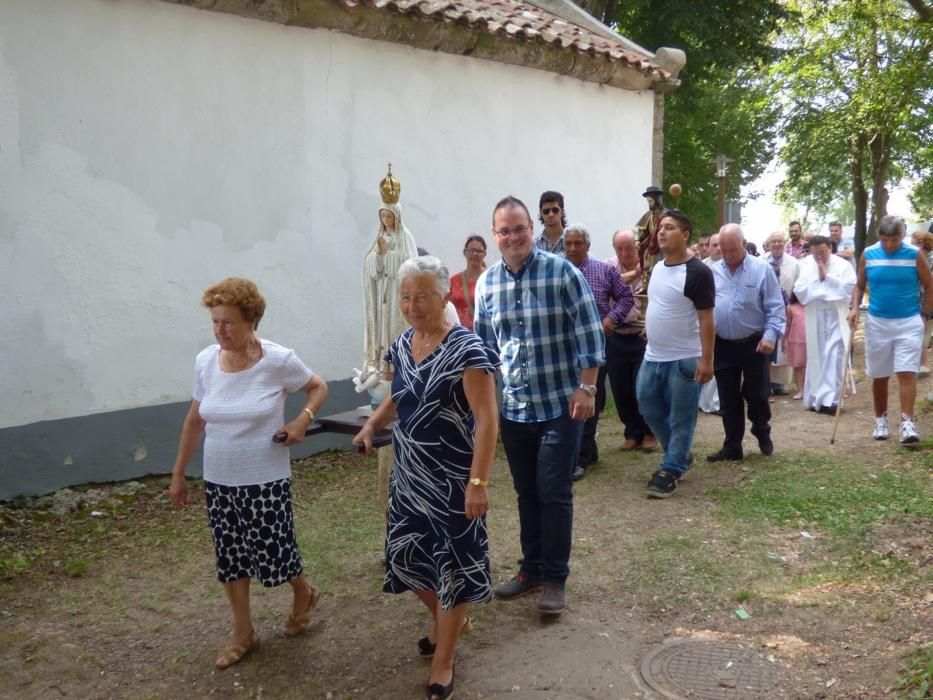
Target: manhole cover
<point>697,668</point>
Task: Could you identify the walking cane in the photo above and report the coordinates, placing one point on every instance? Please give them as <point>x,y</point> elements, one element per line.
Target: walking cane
<point>845,380</point>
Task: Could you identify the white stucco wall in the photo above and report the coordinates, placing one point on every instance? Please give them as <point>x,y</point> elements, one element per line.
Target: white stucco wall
<point>148,150</point>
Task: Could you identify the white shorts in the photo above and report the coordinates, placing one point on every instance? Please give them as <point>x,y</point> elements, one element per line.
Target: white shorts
<point>892,345</point>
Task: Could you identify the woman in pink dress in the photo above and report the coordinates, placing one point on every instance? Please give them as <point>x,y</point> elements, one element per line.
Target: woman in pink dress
<point>794,342</point>
<point>463,284</point>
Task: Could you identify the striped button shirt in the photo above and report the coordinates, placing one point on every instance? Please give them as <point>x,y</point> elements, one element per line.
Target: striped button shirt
<point>543,323</point>
<point>748,301</point>
<point>544,244</point>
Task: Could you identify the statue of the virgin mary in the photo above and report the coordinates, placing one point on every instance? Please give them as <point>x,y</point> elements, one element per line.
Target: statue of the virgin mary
<point>394,245</point>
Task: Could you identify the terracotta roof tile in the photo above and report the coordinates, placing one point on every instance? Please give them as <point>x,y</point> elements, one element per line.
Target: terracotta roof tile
<point>521,22</point>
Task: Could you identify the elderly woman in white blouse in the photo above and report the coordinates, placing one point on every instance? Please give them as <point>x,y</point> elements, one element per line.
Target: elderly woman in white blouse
<point>240,386</point>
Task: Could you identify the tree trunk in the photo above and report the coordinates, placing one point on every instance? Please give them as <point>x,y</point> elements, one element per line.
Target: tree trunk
<point>879,149</point>
<point>859,193</point>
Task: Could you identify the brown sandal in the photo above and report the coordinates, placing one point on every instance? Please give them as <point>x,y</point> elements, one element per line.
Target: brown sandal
<point>296,624</point>
<point>232,653</point>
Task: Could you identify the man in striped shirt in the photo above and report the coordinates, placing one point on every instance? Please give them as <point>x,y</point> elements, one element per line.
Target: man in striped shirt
<point>536,310</point>
<point>750,320</point>
<point>614,301</point>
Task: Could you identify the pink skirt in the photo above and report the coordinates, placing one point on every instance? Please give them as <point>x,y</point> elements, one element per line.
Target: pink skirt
<point>796,354</point>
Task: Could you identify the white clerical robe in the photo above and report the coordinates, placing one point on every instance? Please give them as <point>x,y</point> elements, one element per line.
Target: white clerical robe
<point>827,306</point>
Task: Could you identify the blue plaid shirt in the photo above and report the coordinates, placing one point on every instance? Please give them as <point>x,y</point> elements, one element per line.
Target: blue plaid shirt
<point>543,323</point>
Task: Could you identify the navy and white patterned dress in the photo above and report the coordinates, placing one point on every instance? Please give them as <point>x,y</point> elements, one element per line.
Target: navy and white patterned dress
<point>430,544</point>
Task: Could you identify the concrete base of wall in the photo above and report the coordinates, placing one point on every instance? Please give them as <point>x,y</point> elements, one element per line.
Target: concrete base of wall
<point>42,457</point>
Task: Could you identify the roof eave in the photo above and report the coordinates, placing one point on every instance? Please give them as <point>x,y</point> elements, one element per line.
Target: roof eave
<point>451,37</point>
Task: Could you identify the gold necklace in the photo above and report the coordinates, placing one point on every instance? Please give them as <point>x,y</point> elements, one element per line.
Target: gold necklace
<point>422,347</point>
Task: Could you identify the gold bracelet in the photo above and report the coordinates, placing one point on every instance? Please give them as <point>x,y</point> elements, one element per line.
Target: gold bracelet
<point>310,414</point>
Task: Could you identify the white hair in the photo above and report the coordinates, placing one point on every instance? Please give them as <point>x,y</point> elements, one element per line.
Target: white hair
<point>427,265</point>
<point>776,235</point>
<point>578,228</point>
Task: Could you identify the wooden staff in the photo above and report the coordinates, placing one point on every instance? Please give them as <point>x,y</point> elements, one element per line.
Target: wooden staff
<point>845,380</point>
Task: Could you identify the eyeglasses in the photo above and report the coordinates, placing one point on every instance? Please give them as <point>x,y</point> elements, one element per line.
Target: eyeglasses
<point>474,251</point>
<point>517,231</point>
<point>550,210</point>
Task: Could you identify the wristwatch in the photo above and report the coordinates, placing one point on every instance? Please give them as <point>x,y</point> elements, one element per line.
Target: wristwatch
<point>588,388</point>
<point>476,481</point>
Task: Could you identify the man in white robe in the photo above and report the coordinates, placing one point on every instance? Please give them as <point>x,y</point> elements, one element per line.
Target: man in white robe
<point>824,287</point>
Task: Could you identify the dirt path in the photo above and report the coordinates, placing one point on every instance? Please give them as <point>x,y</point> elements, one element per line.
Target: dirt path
<point>146,619</point>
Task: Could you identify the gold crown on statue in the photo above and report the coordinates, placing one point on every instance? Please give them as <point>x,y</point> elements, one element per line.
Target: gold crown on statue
<point>390,188</point>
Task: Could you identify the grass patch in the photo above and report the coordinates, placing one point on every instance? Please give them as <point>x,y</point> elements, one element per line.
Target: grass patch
<point>340,521</point>
<point>842,500</point>
<point>916,681</point>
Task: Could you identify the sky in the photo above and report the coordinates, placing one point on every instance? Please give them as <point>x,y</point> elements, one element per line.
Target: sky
<point>762,215</point>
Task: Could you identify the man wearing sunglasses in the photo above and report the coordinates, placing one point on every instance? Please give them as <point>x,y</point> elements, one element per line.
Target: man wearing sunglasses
<point>536,311</point>
<point>553,217</point>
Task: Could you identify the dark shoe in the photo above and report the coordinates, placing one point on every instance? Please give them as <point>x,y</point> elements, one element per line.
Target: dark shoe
<point>552,601</point>
<point>766,446</point>
<point>725,455</point>
<point>426,647</point>
<point>662,484</point>
<point>578,473</point>
<point>517,587</point>
<point>436,691</point>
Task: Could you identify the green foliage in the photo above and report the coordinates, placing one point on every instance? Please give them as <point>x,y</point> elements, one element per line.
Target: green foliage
<point>856,84</point>
<point>724,105</point>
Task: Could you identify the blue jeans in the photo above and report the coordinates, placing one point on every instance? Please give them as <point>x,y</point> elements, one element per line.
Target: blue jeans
<point>541,458</point>
<point>668,399</point>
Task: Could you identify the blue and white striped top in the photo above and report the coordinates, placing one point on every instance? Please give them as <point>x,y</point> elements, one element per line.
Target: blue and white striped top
<point>542,322</point>
<point>893,282</point>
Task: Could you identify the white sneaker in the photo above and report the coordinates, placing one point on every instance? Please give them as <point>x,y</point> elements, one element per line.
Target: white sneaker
<point>908,430</point>
<point>881,427</point>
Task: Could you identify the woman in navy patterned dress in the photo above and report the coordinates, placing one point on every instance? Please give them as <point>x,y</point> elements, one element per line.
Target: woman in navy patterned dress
<point>443,402</point>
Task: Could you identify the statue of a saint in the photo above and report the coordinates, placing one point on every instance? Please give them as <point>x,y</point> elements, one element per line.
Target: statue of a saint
<point>382,313</point>
<point>649,251</point>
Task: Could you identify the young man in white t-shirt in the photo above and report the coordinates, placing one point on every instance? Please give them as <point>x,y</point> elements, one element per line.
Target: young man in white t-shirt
<point>679,356</point>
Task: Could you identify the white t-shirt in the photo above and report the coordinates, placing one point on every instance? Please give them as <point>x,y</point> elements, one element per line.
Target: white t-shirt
<point>243,410</point>
<point>675,293</point>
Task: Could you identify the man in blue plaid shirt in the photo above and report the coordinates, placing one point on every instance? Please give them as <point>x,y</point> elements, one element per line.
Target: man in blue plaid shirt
<point>536,310</point>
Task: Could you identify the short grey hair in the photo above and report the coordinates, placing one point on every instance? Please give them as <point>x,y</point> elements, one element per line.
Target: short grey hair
<point>427,265</point>
<point>892,226</point>
<point>776,235</point>
<point>578,228</point>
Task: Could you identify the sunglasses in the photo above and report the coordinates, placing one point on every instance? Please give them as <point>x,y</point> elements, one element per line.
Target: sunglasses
<point>550,210</point>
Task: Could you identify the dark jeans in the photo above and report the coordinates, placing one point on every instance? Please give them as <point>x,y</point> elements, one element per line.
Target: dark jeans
<point>742,377</point>
<point>624,354</point>
<point>541,458</point>
<point>589,451</point>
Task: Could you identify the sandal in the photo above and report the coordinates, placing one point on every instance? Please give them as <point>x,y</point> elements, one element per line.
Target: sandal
<point>426,647</point>
<point>296,624</point>
<point>232,653</point>
<point>436,691</point>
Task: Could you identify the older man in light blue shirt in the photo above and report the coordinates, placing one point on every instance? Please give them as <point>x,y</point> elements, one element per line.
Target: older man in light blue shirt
<point>750,320</point>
